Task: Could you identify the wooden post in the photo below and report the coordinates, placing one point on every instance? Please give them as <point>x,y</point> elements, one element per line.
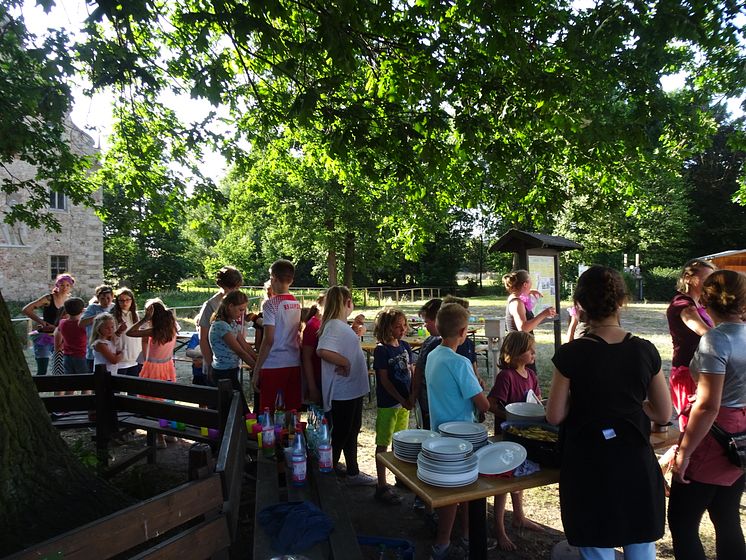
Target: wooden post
<point>365,297</point>
<point>412,296</point>
<point>103,412</point>
<point>380,296</point>
<point>201,463</point>
<point>225,394</point>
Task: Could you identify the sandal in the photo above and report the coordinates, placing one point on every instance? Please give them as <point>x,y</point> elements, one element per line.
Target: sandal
<point>387,495</point>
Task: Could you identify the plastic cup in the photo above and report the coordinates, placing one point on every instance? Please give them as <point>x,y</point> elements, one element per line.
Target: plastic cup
<point>181,426</point>
<point>163,423</point>
<point>212,433</point>
<point>203,431</point>
<point>174,424</point>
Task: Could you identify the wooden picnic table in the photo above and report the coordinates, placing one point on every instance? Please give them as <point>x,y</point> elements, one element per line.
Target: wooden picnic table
<point>478,492</point>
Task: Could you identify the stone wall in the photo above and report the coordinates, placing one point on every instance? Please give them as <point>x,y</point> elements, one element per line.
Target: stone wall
<point>26,254</point>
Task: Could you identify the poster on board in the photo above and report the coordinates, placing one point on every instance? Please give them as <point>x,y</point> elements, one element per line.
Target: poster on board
<point>541,269</point>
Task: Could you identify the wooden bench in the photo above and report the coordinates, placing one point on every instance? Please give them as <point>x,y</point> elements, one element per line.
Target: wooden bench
<point>323,489</point>
<point>186,523</point>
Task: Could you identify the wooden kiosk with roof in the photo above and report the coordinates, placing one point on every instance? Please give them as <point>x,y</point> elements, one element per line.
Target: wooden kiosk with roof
<point>538,253</point>
<point>729,260</point>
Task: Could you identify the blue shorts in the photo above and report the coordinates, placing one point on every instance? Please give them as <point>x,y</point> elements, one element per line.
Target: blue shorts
<point>74,364</point>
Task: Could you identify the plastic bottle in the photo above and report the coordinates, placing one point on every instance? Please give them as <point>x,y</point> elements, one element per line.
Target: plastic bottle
<point>280,409</point>
<point>268,434</point>
<point>299,460</point>
<point>324,448</point>
<point>291,426</point>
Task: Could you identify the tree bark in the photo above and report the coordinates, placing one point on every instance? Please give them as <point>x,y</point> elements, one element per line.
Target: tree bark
<point>331,267</point>
<point>44,489</point>
<point>349,266</point>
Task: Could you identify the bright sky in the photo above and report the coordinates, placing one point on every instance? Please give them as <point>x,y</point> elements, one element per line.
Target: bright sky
<point>93,114</point>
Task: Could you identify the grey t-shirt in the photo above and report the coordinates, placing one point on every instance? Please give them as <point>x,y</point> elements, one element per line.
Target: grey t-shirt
<point>722,351</point>
<point>208,309</point>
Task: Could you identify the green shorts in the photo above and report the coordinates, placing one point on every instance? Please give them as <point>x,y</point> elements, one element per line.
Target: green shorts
<point>388,421</point>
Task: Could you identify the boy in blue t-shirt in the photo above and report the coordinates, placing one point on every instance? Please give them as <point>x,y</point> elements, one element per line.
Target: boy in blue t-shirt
<point>392,362</point>
<point>453,393</point>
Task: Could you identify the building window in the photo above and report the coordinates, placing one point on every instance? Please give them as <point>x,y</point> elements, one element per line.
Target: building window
<point>57,201</point>
<point>58,265</point>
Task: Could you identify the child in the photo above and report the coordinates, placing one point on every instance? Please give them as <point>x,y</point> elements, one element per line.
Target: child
<point>125,315</point>
<point>453,392</point>
<point>392,361</point>
<point>311,317</point>
<point>228,280</point>
<point>517,316</point>
<point>278,364</point>
<point>104,297</point>
<point>512,384</point>
<point>227,341</point>
<point>358,325</point>
<point>161,335</point>
<point>103,343</point>
<point>72,338</point>
<point>344,383</point>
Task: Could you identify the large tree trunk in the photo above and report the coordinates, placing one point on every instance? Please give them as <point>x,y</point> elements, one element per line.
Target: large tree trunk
<point>349,267</point>
<point>44,489</point>
<point>331,267</point>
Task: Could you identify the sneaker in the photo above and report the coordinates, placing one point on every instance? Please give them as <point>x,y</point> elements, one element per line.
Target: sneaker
<point>452,552</point>
<point>418,504</point>
<point>361,479</point>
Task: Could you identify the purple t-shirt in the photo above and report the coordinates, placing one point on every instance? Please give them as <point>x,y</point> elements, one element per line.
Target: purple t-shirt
<point>510,386</point>
<point>685,340</point>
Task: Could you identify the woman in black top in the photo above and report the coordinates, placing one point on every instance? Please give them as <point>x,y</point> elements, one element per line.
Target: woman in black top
<point>606,388</point>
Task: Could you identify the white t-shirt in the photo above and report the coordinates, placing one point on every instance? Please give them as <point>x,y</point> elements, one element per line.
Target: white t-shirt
<point>340,338</point>
<point>283,313</point>
<point>98,357</point>
<point>131,347</point>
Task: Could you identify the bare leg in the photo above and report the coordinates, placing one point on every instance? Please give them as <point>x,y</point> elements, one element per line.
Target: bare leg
<point>446,517</point>
<point>380,468</point>
<point>502,537</point>
<point>519,518</point>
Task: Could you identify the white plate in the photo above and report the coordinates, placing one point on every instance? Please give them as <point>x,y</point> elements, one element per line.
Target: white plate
<point>447,468</point>
<point>415,437</point>
<point>500,457</point>
<point>406,458</point>
<point>442,484</point>
<point>447,446</point>
<point>462,429</point>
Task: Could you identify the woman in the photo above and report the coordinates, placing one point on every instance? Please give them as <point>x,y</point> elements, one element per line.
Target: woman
<point>125,315</point>
<point>517,316</point>
<point>704,479</point>
<point>52,310</point>
<point>611,487</point>
<point>687,322</point>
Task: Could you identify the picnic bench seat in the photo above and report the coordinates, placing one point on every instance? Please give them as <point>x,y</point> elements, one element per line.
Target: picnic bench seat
<point>324,490</point>
<point>186,523</point>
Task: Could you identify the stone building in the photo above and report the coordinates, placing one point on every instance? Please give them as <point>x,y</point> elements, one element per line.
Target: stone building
<point>31,258</point>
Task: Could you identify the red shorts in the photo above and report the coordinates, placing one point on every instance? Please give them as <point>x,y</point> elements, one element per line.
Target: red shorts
<point>272,380</point>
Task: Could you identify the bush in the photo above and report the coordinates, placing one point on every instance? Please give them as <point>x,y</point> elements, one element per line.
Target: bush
<point>660,283</point>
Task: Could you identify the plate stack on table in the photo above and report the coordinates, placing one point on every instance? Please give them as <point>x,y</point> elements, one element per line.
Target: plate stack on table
<point>447,462</point>
<point>407,443</point>
<point>476,434</point>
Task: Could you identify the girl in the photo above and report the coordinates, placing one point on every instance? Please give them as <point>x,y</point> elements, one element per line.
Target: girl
<point>161,339</point>
<point>125,315</point>
<point>704,479</point>
<point>517,316</point>
<point>228,344</point>
<point>344,382</point>
<point>512,384</point>
<point>103,343</point>
<point>52,310</point>
<point>617,388</point>
<point>687,322</point>
<point>392,362</point>
<point>311,362</point>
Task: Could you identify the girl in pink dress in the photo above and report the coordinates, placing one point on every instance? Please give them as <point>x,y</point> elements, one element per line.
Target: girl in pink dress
<point>161,335</point>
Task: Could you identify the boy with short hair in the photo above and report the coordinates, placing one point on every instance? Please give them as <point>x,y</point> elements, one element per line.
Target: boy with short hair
<point>72,338</point>
<point>278,363</point>
<point>453,392</point>
<point>104,303</point>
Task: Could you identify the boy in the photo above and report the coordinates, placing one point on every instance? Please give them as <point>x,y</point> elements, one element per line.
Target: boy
<point>278,363</point>
<point>428,313</point>
<point>453,392</point>
<point>229,280</point>
<point>105,303</point>
<point>72,338</point>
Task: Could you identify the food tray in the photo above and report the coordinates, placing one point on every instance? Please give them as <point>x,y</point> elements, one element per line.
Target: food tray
<point>546,453</point>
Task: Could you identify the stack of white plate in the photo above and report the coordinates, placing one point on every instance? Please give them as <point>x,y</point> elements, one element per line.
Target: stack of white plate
<point>407,443</point>
<point>476,434</point>
<point>447,462</point>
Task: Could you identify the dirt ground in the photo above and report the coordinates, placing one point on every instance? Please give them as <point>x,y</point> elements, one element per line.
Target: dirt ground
<point>373,518</point>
